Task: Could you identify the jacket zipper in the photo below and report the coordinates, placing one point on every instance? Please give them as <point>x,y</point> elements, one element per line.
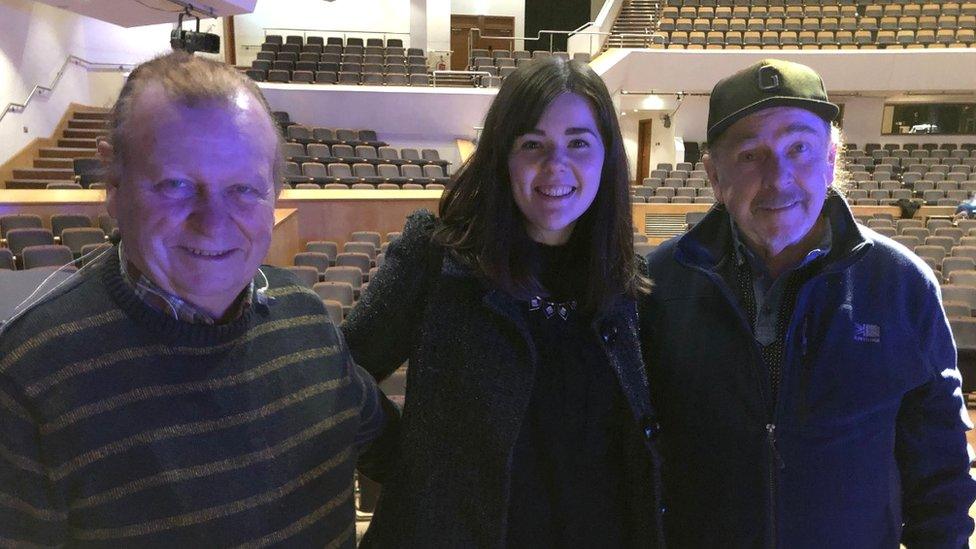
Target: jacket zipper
<point>775,461</point>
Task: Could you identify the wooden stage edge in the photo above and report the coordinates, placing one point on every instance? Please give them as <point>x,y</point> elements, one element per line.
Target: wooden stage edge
<point>304,215</point>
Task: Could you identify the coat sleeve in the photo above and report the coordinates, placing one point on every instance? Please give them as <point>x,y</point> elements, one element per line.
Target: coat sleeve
<point>379,427</point>
<point>931,447</point>
<point>31,512</point>
<point>382,327</point>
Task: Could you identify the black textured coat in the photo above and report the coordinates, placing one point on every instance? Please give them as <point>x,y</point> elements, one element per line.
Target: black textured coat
<point>468,385</point>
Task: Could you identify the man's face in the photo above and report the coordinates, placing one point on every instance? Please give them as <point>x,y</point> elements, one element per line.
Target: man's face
<point>195,203</point>
<point>772,170</point>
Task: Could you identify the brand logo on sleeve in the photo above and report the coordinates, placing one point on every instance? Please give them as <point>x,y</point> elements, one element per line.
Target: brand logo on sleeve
<point>868,333</point>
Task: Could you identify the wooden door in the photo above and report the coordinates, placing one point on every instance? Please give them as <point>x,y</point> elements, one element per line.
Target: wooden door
<point>490,25</point>
<point>644,149</point>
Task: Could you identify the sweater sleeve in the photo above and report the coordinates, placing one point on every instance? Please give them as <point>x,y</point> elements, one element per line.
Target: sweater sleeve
<point>379,427</point>
<point>931,448</point>
<point>30,512</point>
<point>381,329</point>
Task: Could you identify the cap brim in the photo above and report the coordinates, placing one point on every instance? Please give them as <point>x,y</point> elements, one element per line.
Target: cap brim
<point>824,109</point>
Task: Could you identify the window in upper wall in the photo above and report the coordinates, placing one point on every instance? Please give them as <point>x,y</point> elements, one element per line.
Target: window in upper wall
<point>929,118</point>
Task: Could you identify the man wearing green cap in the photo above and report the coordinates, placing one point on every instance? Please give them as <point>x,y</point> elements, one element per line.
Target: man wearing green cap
<point>802,364</point>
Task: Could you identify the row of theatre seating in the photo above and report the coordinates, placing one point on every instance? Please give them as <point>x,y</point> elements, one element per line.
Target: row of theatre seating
<point>338,64</point>
<point>681,183</point>
<point>823,39</point>
<point>319,157</point>
<point>940,174</point>
<point>25,243</point>
<point>339,277</point>
<point>790,25</point>
<point>946,248</point>
<point>763,9</point>
<point>360,175</point>
<point>816,24</point>
<point>315,40</point>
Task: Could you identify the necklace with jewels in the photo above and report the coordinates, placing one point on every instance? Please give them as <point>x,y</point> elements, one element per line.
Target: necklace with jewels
<point>551,308</point>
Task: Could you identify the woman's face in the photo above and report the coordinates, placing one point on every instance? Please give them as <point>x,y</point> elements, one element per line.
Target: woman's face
<point>555,168</point>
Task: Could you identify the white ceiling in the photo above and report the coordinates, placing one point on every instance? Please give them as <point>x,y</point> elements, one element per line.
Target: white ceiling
<point>134,13</point>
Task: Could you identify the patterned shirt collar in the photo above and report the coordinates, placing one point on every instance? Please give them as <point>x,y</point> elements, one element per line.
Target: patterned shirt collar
<point>743,253</point>
<point>169,304</point>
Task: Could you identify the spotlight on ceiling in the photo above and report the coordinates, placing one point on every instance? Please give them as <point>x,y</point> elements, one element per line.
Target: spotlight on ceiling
<point>193,41</point>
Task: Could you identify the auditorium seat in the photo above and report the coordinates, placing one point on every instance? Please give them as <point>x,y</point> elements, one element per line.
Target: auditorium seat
<point>944,241</point>
<point>350,275</point>
<point>49,255</point>
<point>367,236</point>
<point>960,294</point>
<point>317,260</point>
<point>60,222</point>
<point>92,251</point>
<point>361,261</point>
<point>342,293</point>
<point>334,310</point>
<point>327,247</point>
<point>367,248</point>
<point>76,237</point>
<point>20,238</point>
<point>937,253</point>
<point>6,259</point>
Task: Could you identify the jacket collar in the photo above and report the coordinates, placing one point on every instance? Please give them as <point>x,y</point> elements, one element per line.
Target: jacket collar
<point>708,244</point>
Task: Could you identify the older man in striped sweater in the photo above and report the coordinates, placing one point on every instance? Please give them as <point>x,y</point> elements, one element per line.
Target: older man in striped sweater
<point>173,393</point>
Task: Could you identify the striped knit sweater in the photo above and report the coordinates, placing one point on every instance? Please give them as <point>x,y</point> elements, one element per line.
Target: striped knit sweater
<point>122,426</point>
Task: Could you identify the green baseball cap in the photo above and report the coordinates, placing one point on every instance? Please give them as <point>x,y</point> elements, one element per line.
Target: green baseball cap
<point>768,83</point>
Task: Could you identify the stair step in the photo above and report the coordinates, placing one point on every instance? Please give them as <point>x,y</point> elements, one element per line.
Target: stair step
<point>86,124</point>
<point>91,115</point>
<point>32,183</point>
<point>77,143</point>
<point>72,133</point>
<point>44,173</point>
<point>66,152</point>
<point>56,163</point>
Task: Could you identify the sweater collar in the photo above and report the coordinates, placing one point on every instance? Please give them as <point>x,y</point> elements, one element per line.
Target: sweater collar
<point>165,324</point>
<point>178,308</point>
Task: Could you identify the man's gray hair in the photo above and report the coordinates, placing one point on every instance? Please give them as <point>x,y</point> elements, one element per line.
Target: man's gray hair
<point>189,80</point>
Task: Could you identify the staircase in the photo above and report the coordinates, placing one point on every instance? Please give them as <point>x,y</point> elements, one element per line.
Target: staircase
<point>54,163</point>
<point>636,17</point>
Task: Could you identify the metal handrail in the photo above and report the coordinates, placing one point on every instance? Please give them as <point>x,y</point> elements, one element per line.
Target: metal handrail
<point>482,74</point>
<point>650,37</point>
<point>72,60</point>
<point>538,36</point>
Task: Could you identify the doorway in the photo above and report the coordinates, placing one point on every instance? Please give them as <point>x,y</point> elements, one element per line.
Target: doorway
<point>490,25</point>
<point>644,149</point>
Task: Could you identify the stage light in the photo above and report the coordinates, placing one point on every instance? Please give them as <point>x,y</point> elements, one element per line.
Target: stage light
<point>193,41</point>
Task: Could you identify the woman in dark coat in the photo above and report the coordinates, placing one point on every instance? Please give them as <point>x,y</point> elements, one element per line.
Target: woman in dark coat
<point>527,419</point>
